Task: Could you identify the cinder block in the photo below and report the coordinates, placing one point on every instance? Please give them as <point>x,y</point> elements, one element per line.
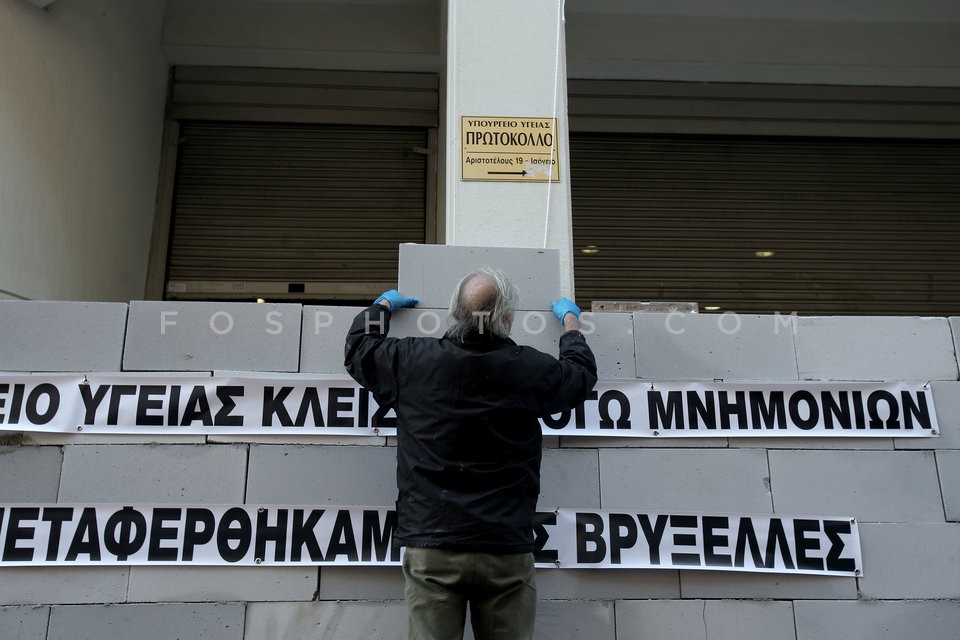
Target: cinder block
<point>29,474</point>
<point>148,622</point>
<point>537,329</point>
<point>685,480</point>
<point>431,272</point>
<point>955,330</point>
<point>211,474</point>
<point>360,583</point>
<point>63,585</point>
<point>948,465</point>
<point>693,346</point>
<point>569,478</point>
<point>24,623</point>
<point>702,619</point>
<point>875,348</point>
<point>872,486</point>
<point>946,400</point>
<point>733,620</point>
<point>610,336</point>
<point>575,620</point>
<point>620,584</point>
<point>876,620</point>
<point>419,323</point>
<point>312,620</point>
<point>345,476</point>
<point>324,330</point>
<point>61,336</point>
<point>203,336</point>
<point>910,561</point>
<point>221,584</point>
<point>762,586</point>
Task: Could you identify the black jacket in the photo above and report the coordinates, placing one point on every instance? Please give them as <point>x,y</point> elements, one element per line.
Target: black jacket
<point>469,443</point>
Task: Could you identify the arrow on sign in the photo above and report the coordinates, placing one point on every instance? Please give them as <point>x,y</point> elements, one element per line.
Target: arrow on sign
<point>507,173</point>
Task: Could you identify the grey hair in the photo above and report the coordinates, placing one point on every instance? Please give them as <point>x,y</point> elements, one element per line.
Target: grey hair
<point>494,317</point>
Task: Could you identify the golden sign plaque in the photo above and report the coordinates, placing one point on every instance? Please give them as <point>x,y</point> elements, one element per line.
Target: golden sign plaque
<point>507,149</point>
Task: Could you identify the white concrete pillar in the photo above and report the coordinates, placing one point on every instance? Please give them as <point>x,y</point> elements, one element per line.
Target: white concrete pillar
<point>507,59</point>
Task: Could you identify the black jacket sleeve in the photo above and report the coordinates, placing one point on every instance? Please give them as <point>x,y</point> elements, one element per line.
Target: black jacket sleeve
<point>576,374</point>
<point>370,357</point>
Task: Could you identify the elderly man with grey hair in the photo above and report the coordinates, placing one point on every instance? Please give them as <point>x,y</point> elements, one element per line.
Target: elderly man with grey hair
<point>469,450</point>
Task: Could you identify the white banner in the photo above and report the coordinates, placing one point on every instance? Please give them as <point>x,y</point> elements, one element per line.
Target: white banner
<point>754,409</point>
<point>245,535</point>
<point>134,404</point>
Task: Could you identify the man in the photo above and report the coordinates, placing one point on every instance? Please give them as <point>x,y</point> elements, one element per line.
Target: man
<point>469,449</point>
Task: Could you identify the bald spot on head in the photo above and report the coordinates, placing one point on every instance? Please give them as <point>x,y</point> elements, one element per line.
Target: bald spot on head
<point>479,293</point>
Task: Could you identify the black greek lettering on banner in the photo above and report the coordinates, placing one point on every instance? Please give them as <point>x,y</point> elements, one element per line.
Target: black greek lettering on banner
<point>125,533</point>
<point>36,534</point>
<point>541,536</point>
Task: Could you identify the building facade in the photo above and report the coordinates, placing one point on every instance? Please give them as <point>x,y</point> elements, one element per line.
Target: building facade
<point>794,170</point>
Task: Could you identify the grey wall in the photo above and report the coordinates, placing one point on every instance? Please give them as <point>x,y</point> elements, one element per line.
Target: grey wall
<point>905,493</point>
<point>83,86</point>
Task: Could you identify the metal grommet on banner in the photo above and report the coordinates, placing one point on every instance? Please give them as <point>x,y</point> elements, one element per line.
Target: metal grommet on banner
<point>656,433</point>
<point>557,563</point>
<point>376,431</point>
<point>79,428</point>
<point>85,381</point>
<point>258,560</point>
<point>260,510</point>
<point>857,572</point>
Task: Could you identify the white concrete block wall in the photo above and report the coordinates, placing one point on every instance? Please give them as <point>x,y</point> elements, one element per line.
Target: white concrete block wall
<point>879,619</point>
<point>430,272</point>
<point>884,348</point>
<point>674,346</point>
<point>948,465</point>
<point>73,585</point>
<point>203,336</point>
<point>216,621</point>
<point>321,340</point>
<point>955,329</point>
<point>705,619</point>
<point>376,620</point>
<point>61,336</point>
<point>905,493</point>
<point>26,623</point>
<point>874,486</point>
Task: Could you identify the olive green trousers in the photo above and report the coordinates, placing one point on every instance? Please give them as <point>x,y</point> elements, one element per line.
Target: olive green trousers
<point>500,590</point>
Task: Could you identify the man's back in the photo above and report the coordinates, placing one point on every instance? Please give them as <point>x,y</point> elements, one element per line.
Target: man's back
<point>469,439</point>
<point>468,454</point>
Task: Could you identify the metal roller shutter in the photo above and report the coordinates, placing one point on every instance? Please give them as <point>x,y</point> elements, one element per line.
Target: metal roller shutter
<point>298,184</point>
<point>315,211</point>
<point>855,190</point>
<point>855,225</point>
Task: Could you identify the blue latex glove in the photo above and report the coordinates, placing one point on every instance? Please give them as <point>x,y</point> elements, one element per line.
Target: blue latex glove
<point>396,300</point>
<point>562,307</point>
